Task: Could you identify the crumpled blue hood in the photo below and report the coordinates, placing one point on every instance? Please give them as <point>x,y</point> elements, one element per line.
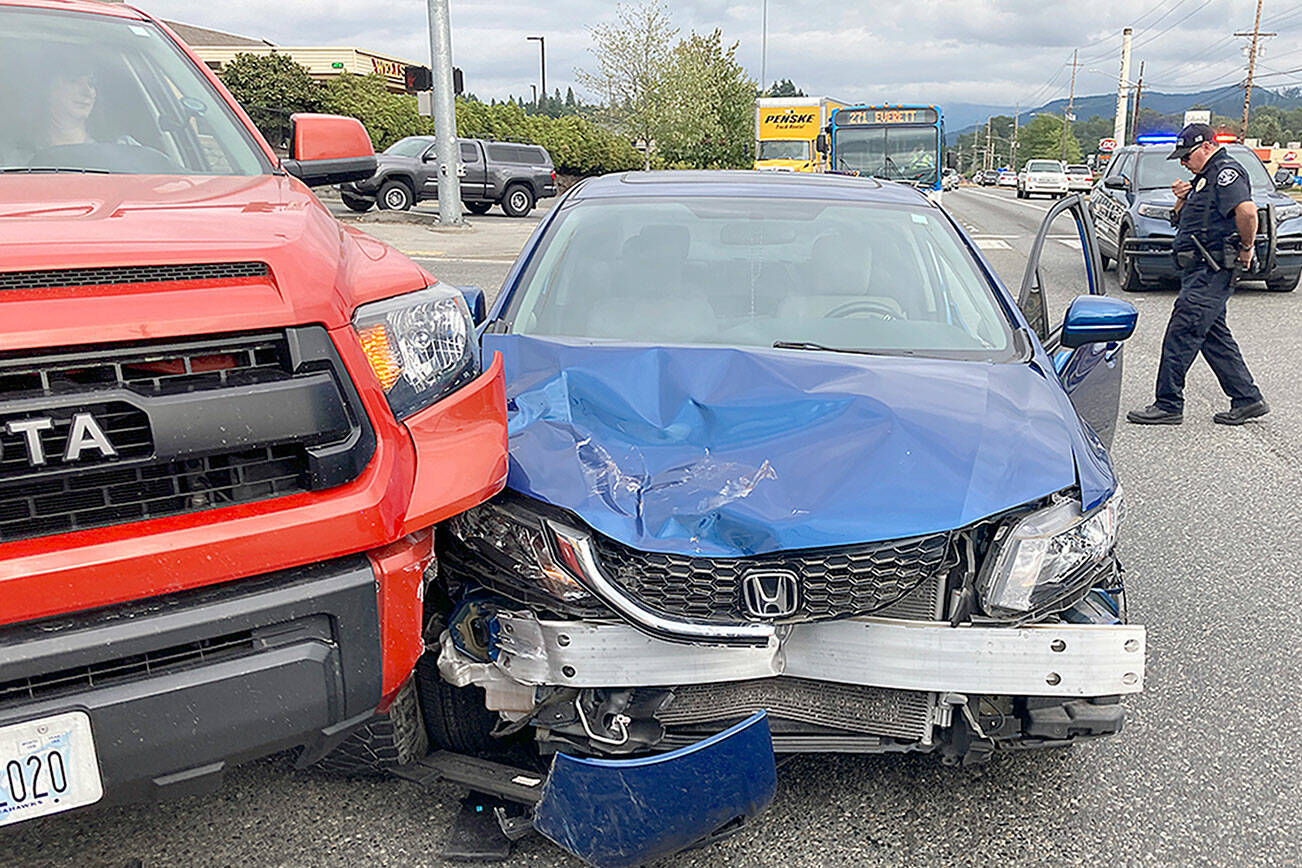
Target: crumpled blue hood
<point>732,452</point>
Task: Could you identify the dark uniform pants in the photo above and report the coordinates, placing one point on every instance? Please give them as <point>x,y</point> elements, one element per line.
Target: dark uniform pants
<point>1198,324</point>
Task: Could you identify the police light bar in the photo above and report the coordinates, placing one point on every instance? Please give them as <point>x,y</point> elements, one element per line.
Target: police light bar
<point>1226,137</point>
<point>1156,139</point>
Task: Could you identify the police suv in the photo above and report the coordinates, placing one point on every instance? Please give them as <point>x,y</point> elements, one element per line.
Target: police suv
<point>1131,205</point>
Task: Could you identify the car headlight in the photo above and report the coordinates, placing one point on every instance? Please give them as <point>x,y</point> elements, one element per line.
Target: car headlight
<point>1158,212</point>
<point>1288,212</point>
<point>1047,554</point>
<point>518,543</point>
<point>421,346</point>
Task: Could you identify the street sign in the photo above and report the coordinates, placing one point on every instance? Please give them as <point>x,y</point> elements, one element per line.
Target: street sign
<point>1107,146</point>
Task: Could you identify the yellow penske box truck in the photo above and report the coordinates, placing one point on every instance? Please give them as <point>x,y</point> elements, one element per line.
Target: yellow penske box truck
<point>786,129</point>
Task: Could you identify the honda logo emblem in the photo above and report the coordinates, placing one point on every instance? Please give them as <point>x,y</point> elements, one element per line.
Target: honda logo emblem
<point>771,593</point>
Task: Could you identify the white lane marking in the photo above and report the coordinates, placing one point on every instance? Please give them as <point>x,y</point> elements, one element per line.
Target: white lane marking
<point>1022,202</point>
<point>992,235</point>
<point>992,244</point>
<point>472,260</point>
<point>1073,243</point>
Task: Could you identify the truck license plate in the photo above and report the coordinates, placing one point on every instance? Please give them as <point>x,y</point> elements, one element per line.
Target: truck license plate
<point>47,766</point>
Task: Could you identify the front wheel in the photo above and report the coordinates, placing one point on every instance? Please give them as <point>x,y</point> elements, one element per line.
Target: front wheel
<point>394,738</point>
<point>1287,283</point>
<point>478,207</point>
<point>456,718</point>
<point>1127,273</point>
<point>357,203</point>
<point>518,201</point>
<point>395,196</point>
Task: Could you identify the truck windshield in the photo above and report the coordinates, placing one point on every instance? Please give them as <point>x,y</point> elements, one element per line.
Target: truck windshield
<point>98,93</point>
<point>755,272</point>
<point>893,153</point>
<point>779,150</point>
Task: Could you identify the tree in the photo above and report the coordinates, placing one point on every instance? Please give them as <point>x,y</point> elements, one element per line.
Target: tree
<point>785,87</point>
<point>271,87</point>
<point>708,105</point>
<point>1042,138</point>
<point>633,55</point>
<point>386,116</point>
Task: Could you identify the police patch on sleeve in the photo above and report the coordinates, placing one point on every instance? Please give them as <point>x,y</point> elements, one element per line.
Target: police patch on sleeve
<point>1227,177</point>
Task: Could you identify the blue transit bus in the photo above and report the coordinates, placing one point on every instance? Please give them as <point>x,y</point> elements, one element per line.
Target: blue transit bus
<point>894,142</point>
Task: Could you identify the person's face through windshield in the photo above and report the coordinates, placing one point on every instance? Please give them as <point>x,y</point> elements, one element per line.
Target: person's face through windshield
<point>70,101</point>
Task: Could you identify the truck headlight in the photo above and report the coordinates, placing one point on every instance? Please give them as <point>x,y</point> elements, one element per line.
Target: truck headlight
<point>1047,555</point>
<point>421,346</point>
<point>1157,212</point>
<point>1288,212</point>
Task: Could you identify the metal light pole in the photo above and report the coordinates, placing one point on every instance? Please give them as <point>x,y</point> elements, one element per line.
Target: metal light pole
<point>542,63</point>
<point>445,112</point>
<point>764,46</point>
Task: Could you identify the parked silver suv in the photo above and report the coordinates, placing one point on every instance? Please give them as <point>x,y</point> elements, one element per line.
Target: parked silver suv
<point>509,174</point>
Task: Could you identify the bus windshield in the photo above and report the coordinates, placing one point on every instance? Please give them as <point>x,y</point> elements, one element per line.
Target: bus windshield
<point>895,153</point>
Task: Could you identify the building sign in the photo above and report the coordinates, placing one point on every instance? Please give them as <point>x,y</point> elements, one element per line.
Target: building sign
<point>1197,117</point>
<point>388,68</point>
<point>885,116</point>
<point>1107,146</point>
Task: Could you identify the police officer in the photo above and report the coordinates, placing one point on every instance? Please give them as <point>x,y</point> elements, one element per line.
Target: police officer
<point>1216,225</point>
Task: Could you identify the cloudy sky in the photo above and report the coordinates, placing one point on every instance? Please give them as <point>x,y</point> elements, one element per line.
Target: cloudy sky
<point>998,52</point>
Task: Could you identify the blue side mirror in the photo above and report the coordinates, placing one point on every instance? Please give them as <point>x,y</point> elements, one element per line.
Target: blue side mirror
<point>1097,318</point>
<point>474,297</point>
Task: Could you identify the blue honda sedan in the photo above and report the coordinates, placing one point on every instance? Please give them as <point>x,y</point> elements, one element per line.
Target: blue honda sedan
<point>787,444</point>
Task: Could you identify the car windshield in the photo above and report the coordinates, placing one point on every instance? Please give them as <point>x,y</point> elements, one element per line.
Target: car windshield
<point>753,272</point>
<point>408,147</point>
<point>99,93</point>
<point>1043,166</point>
<point>778,150</point>
<point>894,153</point>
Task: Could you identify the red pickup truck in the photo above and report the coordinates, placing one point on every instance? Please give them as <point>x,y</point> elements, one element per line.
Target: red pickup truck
<point>228,425</point>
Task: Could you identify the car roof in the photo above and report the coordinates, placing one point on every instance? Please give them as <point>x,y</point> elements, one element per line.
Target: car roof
<point>743,183</point>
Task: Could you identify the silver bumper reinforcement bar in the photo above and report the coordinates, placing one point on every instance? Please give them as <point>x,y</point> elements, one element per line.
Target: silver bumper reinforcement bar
<point>1039,660</point>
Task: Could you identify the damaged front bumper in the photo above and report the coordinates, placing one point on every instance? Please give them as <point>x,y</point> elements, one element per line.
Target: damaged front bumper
<point>856,685</point>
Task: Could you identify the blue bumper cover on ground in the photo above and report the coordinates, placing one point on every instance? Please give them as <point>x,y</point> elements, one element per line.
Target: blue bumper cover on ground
<point>628,812</point>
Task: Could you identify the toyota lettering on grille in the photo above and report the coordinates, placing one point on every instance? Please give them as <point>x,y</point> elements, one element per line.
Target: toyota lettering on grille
<point>771,593</point>
<point>85,439</point>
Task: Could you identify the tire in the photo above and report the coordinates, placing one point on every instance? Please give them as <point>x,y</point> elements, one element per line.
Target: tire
<point>1283,284</point>
<point>455,717</point>
<point>1106,260</point>
<point>394,738</point>
<point>478,207</point>
<point>1127,274</point>
<point>517,201</point>
<point>355,203</point>
<point>395,196</point>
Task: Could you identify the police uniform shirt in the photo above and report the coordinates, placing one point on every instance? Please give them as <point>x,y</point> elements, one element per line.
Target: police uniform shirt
<point>1208,211</point>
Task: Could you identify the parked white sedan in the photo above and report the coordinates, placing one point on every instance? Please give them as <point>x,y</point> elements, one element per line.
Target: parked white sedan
<point>1042,176</point>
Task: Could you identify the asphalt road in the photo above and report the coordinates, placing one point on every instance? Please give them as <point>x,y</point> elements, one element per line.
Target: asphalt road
<point>1207,770</point>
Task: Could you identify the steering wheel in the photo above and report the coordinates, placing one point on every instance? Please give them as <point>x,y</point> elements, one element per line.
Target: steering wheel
<point>858,306</point>
<point>121,156</point>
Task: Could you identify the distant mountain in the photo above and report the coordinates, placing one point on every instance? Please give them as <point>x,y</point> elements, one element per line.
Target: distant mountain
<point>965,117</point>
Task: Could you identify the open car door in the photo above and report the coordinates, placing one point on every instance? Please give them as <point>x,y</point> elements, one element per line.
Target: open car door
<point>1064,263</point>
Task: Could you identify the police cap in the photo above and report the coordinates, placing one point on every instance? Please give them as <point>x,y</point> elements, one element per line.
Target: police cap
<point>1191,137</point>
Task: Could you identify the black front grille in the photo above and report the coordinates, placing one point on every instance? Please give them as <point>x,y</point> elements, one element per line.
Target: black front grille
<point>834,583</point>
<point>117,275</point>
<point>45,489</point>
<point>108,672</point>
<point>95,498</point>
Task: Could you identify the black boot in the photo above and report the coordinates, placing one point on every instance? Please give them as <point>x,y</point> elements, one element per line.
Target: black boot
<point>1239,415</point>
<point>1154,415</point>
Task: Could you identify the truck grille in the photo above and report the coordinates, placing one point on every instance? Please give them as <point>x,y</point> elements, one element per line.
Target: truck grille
<point>834,583</point>
<point>53,491</point>
<point>119,275</point>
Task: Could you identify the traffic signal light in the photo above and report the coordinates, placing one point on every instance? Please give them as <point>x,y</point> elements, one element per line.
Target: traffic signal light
<point>418,78</point>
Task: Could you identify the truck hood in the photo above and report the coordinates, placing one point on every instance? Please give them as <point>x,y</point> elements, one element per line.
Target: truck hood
<point>319,270</point>
<point>734,452</point>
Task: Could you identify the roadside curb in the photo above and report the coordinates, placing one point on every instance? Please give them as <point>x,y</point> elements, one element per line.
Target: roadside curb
<point>430,221</point>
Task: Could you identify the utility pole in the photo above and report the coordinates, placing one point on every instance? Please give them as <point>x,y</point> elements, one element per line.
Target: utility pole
<point>764,46</point>
<point>989,155</point>
<point>1069,115</point>
<point>1012,146</point>
<point>1252,65</point>
<point>542,64</point>
<point>1123,89</point>
<point>445,112</point>
<point>1139,93</point>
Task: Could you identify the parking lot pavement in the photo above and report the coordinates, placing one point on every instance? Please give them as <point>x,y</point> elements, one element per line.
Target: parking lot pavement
<point>1207,770</point>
